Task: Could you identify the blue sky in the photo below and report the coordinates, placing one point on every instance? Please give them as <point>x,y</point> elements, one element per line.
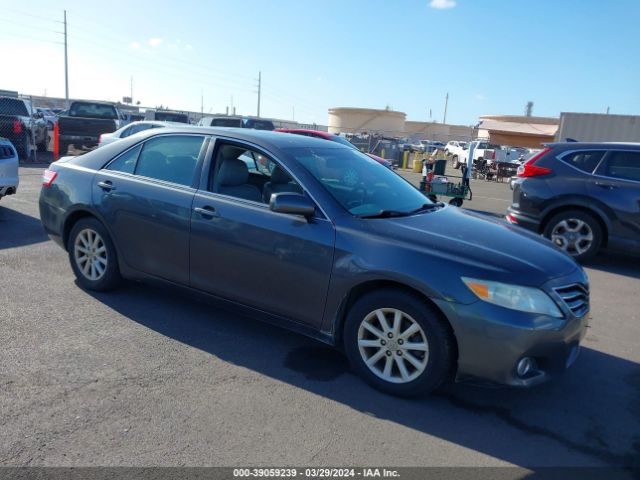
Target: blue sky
<point>491,56</point>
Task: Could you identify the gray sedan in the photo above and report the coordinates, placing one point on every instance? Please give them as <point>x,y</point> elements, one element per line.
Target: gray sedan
<point>321,239</point>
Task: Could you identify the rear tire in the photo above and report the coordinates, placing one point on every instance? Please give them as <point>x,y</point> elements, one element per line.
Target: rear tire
<point>455,162</point>
<point>93,256</point>
<point>411,354</point>
<point>575,232</point>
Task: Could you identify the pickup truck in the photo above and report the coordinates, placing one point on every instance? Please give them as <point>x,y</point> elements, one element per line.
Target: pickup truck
<point>23,126</point>
<point>8,168</point>
<point>84,122</point>
<point>483,151</point>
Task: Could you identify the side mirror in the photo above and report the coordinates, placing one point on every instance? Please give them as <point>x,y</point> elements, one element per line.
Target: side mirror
<point>292,204</point>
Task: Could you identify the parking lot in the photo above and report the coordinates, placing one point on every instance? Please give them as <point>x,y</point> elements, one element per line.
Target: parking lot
<point>148,376</point>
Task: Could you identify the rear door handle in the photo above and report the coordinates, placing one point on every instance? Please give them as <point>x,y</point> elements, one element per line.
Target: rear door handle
<point>106,185</point>
<point>206,212</point>
<point>610,186</point>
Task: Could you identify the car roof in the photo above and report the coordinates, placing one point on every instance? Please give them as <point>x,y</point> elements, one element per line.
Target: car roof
<point>317,133</point>
<point>582,145</point>
<point>265,138</point>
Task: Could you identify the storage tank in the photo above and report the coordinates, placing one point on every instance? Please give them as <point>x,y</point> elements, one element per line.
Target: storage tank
<point>357,120</point>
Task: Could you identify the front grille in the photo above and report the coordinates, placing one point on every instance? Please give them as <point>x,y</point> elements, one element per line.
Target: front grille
<point>575,297</point>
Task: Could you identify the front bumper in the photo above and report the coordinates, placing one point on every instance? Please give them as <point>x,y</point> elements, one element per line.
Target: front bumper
<point>492,340</point>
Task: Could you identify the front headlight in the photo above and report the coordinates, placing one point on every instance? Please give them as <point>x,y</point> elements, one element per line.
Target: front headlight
<point>515,297</point>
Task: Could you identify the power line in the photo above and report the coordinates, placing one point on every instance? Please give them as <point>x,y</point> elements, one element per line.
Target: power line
<point>28,14</point>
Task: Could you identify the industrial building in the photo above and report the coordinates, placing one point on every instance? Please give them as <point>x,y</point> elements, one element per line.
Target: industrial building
<point>518,130</point>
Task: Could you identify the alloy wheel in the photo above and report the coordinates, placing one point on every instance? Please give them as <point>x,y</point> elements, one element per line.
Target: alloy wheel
<point>393,345</point>
<point>572,235</point>
<point>90,254</point>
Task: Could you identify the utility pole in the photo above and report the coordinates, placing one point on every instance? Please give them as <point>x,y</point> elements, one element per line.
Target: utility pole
<point>66,63</point>
<point>607,110</point>
<point>259,91</point>
<point>446,105</point>
<point>528,109</point>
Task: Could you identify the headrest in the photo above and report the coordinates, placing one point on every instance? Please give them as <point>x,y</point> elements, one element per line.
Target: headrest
<point>278,175</point>
<point>229,152</point>
<point>233,172</point>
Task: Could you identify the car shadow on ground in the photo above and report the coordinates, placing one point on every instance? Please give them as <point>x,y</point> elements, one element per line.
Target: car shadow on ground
<point>628,266</point>
<point>592,411</point>
<point>18,229</point>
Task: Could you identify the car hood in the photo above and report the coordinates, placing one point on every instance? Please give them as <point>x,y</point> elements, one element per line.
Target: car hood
<point>472,244</point>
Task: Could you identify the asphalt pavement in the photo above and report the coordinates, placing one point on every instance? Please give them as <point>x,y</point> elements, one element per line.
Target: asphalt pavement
<point>147,376</point>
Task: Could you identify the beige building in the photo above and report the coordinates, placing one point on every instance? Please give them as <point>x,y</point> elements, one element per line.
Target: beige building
<point>599,127</point>
<point>518,130</point>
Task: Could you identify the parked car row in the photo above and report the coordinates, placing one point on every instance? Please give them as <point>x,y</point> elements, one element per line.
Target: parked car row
<point>23,125</point>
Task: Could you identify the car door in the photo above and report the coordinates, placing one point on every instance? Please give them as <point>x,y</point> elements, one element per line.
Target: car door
<point>243,251</point>
<point>617,184</point>
<point>145,196</point>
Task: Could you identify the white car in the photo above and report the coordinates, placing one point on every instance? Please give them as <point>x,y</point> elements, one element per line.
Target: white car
<point>134,127</point>
<point>8,168</point>
<point>49,116</point>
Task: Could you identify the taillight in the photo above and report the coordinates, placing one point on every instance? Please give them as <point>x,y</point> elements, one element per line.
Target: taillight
<point>100,140</point>
<point>17,126</point>
<point>530,170</point>
<point>48,176</point>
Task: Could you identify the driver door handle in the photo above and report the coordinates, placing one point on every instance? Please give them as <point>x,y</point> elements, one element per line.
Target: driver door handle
<point>206,212</point>
<point>106,185</point>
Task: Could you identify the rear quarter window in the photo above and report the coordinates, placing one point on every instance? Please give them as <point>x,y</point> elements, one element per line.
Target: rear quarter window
<point>585,160</point>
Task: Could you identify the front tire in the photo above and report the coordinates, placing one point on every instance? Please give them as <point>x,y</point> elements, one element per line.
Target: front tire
<point>93,256</point>
<point>575,232</point>
<point>398,343</point>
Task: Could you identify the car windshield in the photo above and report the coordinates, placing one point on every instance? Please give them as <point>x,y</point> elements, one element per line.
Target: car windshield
<point>343,141</point>
<point>361,185</point>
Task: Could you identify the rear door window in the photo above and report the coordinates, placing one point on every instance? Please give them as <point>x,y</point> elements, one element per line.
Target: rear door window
<point>126,162</point>
<point>624,165</point>
<point>585,160</point>
<point>170,158</point>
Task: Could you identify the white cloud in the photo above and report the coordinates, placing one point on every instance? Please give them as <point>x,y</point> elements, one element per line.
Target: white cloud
<point>154,42</point>
<point>135,45</point>
<point>442,4</point>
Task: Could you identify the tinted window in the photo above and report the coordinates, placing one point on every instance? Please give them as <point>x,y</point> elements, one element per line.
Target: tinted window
<point>92,110</point>
<point>623,165</point>
<point>172,117</point>
<point>13,106</point>
<point>361,185</point>
<point>139,128</point>
<point>126,132</point>
<point>586,161</point>
<point>127,161</point>
<point>170,158</point>
<point>226,122</point>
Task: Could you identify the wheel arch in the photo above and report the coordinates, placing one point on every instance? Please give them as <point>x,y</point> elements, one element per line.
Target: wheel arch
<point>369,286</point>
<point>595,212</point>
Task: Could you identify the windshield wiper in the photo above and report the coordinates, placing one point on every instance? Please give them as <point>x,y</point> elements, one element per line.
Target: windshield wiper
<point>427,207</point>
